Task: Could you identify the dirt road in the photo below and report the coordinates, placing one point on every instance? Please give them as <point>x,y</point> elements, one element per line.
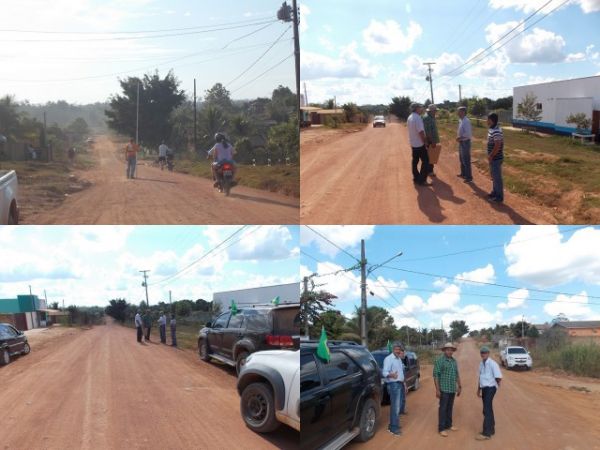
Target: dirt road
<point>365,178</point>
<point>100,389</point>
<point>161,197</point>
<point>531,412</point>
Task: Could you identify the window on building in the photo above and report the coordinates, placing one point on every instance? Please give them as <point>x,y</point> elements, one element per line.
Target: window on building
<point>538,106</point>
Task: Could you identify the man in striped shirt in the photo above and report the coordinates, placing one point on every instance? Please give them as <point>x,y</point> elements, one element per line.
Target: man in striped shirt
<point>495,151</point>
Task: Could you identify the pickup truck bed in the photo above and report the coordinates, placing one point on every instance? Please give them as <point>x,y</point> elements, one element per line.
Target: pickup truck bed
<point>9,209</point>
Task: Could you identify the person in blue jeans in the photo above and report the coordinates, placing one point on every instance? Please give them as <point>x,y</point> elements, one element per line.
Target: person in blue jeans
<point>393,374</point>
<point>464,135</point>
<point>495,151</point>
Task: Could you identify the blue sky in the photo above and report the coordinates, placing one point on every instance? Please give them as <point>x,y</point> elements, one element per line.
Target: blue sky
<point>39,71</point>
<point>370,52</point>
<point>564,260</point>
<point>89,265</point>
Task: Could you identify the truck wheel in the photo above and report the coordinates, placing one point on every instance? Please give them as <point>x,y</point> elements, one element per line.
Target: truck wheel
<point>13,218</point>
<point>368,420</point>
<point>258,408</point>
<point>5,359</point>
<point>417,384</point>
<point>26,349</point>
<point>203,350</point>
<point>240,361</point>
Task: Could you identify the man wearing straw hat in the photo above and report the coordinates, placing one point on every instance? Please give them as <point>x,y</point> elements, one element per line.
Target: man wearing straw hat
<point>447,386</point>
<point>489,382</point>
<point>432,136</point>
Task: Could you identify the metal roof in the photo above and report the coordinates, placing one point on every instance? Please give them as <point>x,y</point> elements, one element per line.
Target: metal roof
<point>580,324</point>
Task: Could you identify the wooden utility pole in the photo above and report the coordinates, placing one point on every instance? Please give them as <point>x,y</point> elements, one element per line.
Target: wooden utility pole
<point>459,93</point>
<point>297,55</point>
<point>195,121</point>
<point>137,114</point>
<point>145,284</point>
<point>429,78</point>
<point>363,295</point>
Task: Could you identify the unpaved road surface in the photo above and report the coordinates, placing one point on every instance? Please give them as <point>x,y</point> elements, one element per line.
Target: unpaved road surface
<point>100,389</point>
<point>365,178</point>
<point>532,412</point>
<point>161,197</point>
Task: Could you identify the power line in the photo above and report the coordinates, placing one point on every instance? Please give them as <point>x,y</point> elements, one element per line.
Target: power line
<point>245,71</point>
<point>332,243</point>
<point>264,73</point>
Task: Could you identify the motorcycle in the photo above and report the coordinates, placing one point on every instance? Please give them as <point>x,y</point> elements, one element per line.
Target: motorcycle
<point>225,177</point>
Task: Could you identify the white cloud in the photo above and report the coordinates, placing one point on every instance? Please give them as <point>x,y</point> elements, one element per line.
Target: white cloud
<point>347,237</point>
<point>540,255</point>
<point>475,316</point>
<point>444,302</point>
<point>575,307</point>
<point>304,13</point>
<point>516,299</point>
<point>100,238</point>
<point>348,64</point>
<point>388,37</point>
<point>482,275</point>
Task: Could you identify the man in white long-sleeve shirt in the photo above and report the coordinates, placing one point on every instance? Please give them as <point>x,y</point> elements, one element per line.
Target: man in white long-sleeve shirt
<point>417,138</point>
<point>393,373</point>
<point>489,382</point>
<point>464,135</point>
<point>162,327</point>
<point>138,325</point>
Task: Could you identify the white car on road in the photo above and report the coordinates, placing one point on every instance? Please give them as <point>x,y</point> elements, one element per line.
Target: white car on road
<point>515,356</point>
<point>269,387</point>
<point>379,121</point>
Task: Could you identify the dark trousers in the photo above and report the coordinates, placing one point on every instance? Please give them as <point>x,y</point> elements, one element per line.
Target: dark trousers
<point>420,153</point>
<point>173,337</point>
<point>163,333</point>
<point>445,411</point>
<point>148,333</point>
<point>489,425</point>
<point>139,334</point>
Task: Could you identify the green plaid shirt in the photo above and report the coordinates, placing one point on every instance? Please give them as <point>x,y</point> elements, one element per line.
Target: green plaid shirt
<point>431,131</point>
<point>446,372</point>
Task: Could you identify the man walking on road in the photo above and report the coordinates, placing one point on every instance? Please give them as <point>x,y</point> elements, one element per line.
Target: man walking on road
<point>463,137</point>
<point>162,154</point>
<point>173,331</point>
<point>416,136</point>
<point>447,385</point>
<point>393,373</point>
<point>131,151</point>
<point>138,326</point>
<point>162,327</point>
<point>431,132</point>
<point>147,324</point>
<point>489,382</point>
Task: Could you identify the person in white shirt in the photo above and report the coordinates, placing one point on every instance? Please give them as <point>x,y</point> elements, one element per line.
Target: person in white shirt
<point>463,137</point>
<point>162,154</point>
<point>393,374</point>
<point>221,152</point>
<point>489,382</point>
<point>417,139</point>
<point>138,325</point>
<point>162,327</point>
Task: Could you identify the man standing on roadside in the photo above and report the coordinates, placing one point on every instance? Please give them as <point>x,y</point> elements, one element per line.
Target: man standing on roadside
<point>162,327</point>
<point>416,136</point>
<point>131,151</point>
<point>489,382</point>
<point>393,373</point>
<point>147,324</point>
<point>138,326</point>
<point>432,136</point>
<point>173,332</point>
<point>447,385</point>
<point>463,137</point>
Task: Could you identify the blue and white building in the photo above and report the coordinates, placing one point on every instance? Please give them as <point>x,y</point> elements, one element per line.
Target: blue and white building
<point>556,100</point>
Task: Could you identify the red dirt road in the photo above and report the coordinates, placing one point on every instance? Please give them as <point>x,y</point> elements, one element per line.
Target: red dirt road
<point>365,178</point>
<point>161,197</point>
<point>531,413</point>
<point>100,389</point>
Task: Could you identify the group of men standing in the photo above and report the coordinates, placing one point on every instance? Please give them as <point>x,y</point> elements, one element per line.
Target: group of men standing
<point>424,138</point>
<point>447,382</point>
<point>144,323</point>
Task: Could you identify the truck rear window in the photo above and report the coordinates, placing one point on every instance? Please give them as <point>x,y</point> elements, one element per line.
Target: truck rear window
<point>286,321</point>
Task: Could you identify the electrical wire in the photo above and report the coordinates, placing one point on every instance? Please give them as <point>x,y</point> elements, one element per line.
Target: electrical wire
<point>332,243</point>
<point>263,74</point>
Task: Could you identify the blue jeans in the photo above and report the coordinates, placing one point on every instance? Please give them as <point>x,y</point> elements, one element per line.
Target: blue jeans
<point>394,390</point>
<point>497,185</point>
<point>163,333</point>
<point>464,154</point>
<point>173,337</point>
<point>131,162</point>
<point>402,400</point>
<point>489,424</point>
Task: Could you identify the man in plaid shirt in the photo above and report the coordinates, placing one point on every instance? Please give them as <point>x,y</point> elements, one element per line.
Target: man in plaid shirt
<point>447,385</point>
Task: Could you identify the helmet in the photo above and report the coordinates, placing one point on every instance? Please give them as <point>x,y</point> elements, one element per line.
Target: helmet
<point>220,137</point>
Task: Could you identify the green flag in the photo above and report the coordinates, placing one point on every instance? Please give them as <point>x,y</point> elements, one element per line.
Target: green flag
<point>234,309</point>
<point>322,349</point>
<point>276,301</point>
<point>389,346</point>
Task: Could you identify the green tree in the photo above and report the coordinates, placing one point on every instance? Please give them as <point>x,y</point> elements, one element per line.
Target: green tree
<point>400,107</point>
<point>477,106</point>
<point>580,120</point>
<point>533,332</point>
<point>312,305</point>
<point>78,129</point>
<point>184,307</point>
<point>219,97</point>
<point>458,328</point>
<point>333,321</point>
<point>158,98</point>
<point>282,105</point>
<point>284,141</point>
<point>9,118</point>
<point>527,109</point>
<point>117,309</point>
<point>212,121</point>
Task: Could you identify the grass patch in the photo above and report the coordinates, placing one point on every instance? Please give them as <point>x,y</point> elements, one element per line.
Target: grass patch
<point>281,179</point>
<point>187,336</point>
<point>427,355</point>
<point>577,359</point>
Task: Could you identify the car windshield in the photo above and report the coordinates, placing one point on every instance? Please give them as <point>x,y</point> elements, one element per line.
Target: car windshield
<point>516,351</point>
<point>378,117</point>
<point>379,357</point>
<point>286,321</point>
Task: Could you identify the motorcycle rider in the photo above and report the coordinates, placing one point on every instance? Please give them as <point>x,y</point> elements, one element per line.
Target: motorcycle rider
<point>221,152</point>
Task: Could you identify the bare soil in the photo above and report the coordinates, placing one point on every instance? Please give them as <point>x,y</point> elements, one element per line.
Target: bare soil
<point>533,410</point>
<point>99,389</point>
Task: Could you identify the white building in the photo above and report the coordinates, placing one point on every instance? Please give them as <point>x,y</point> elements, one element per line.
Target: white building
<point>556,100</point>
<point>287,293</point>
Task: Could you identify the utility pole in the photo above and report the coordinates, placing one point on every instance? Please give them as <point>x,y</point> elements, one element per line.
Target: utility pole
<point>137,114</point>
<point>170,302</point>
<point>290,14</point>
<point>145,284</point>
<point>363,294</point>
<point>522,326</point>
<point>429,78</point>
<point>305,95</point>
<point>195,121</point>
<point>459,93</point>
<point>304,299</point>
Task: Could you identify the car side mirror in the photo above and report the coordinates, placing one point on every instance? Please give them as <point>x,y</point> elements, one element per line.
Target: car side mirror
<point>208,324</point>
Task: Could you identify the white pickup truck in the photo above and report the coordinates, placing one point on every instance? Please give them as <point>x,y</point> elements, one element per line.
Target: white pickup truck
<point>9,207</point>
<point>515,356</point>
